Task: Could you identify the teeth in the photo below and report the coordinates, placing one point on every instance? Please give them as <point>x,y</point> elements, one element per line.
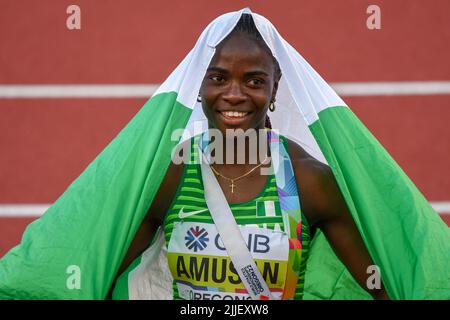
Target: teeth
<point>234,114</point>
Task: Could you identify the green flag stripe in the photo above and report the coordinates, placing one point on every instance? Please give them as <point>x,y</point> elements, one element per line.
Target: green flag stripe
<point>405,237</point>
<point>92,223</point>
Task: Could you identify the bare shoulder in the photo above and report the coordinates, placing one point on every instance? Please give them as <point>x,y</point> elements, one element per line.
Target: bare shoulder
<point>306,165</point>
<point>320,196</point>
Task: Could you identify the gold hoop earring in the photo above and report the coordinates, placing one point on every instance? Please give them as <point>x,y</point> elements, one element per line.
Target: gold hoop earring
<point>272,106</point>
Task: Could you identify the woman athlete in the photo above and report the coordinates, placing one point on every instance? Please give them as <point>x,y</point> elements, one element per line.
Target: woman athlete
<point>237,91</point>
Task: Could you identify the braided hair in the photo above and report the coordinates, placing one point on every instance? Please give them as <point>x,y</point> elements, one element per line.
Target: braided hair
<point>268,123</point>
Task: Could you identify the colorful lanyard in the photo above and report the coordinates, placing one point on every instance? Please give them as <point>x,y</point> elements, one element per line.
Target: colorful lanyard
<point>227,226</point>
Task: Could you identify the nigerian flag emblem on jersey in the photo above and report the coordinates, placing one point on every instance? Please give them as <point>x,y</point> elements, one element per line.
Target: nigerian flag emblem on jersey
<point>268,208</point>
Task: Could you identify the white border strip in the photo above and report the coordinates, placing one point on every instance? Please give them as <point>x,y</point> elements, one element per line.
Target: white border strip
<point>147,90</point>
<point>36,210</point>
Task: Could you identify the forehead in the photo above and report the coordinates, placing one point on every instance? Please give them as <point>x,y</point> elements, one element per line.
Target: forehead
<point>241,51</point>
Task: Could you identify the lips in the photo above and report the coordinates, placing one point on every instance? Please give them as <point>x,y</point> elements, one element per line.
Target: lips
<point>233,117</point>
<point>234,114</point>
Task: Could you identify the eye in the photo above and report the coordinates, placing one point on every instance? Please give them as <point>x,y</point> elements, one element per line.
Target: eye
<point>256,82</point>
<point>217,78</point>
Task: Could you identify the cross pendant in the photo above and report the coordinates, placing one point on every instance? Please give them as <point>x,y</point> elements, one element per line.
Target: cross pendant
<point>232,187</point>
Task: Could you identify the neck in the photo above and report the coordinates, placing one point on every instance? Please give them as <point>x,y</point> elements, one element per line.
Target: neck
<point>238,148</point>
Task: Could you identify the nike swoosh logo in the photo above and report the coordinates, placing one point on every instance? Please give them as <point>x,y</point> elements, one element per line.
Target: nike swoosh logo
<point>183,214</point>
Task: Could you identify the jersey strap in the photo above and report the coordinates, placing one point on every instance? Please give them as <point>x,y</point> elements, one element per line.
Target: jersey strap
<point>231,235</point>
<point>290,208</point>
<point>289,204</point>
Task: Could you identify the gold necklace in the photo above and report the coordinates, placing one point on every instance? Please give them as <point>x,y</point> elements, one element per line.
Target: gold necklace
<point>232,185</point>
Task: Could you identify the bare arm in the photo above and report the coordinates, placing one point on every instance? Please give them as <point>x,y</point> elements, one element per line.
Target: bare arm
<point>325,208</point>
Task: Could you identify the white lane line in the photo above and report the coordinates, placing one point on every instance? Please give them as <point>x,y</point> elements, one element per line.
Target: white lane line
<point>146,90</point>
<point>36,210</point>
<point>23,210</point>
<point>442,207</point>
<point>392,88</point>
<point>77,91</point>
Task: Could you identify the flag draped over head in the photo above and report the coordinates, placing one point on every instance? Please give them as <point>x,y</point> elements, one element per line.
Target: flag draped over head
<point>88,230</point>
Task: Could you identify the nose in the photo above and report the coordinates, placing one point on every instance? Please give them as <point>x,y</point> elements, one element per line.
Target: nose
<point>234,94</point>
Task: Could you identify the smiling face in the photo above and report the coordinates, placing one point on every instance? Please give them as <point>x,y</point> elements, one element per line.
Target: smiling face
<point>239,84</point>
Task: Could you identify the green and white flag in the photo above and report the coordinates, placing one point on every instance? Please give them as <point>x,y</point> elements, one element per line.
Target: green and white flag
<point>87,231</point>
<point>268,208</point>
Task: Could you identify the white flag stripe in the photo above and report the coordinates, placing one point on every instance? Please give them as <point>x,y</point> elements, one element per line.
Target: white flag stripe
<point>269,207</point>
<point>147,90</point>
<point>36,210</point>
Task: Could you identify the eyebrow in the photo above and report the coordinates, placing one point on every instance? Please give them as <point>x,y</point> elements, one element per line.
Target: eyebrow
<point>217,69</point>
<point>250,73</point>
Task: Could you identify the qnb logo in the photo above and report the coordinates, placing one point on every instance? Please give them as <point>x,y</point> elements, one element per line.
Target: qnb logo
<point>196,238</point>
